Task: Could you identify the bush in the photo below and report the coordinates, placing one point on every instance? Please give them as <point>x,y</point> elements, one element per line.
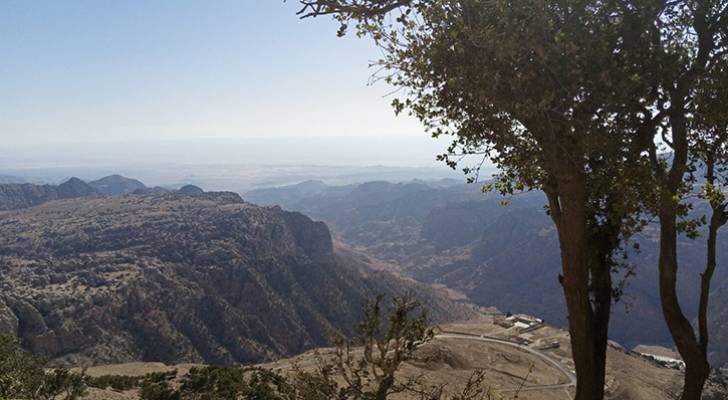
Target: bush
<point>211,383</point>
<point>25,376</point>
<point>159,391</point>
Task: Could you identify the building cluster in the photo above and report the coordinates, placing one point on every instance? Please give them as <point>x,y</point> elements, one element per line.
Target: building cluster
<point>522,322</point>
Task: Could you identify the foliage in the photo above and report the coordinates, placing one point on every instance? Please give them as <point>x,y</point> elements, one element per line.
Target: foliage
<point>582,99</point>
<point>24,376</point>
<point>212,383</point>
<point>159,391</point>
<point>551,93</point>
<point>122,382</point>
<point>387,343</point>
<point>117,382</point>
<point>235,383</point>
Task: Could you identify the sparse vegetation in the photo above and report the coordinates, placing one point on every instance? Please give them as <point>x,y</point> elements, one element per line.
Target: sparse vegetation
<point>154,269</point>
<point>123,382</point>
<point>388,337</point>
<point>25,376</point>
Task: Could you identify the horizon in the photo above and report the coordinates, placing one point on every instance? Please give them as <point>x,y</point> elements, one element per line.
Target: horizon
<point>85,74</point>
<point>233,164</point>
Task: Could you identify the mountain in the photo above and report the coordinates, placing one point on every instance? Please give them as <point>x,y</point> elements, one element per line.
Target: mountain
<point>21,195</point>
<point>177,278</point>
<point>501,256</point>
<point>115,185</point>
<point>191,190</point>
<point>282,195</point>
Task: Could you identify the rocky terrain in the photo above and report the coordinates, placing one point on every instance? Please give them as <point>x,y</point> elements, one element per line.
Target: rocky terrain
<point>504,256</point>
<point>173,277</point>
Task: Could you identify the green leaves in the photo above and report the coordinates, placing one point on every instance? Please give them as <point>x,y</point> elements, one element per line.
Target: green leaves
<point>714,194</point>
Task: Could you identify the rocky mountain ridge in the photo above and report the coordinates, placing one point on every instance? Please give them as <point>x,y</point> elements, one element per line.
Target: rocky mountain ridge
<point>22,195</point>
<point>173,277</point>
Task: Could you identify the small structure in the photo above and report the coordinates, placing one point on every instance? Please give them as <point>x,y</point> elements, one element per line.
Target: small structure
<point>661,355</point>
<point>524,323</point>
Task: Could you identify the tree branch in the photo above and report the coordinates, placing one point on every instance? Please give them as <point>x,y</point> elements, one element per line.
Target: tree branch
<point>358,8</point>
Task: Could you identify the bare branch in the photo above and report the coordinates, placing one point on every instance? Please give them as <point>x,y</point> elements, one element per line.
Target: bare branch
<point>358,8</point>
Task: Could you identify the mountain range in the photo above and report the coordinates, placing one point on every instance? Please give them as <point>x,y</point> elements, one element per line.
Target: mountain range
<point>183,276</point>
<point>506,256</point>
<point>23,195</point>
<point>134,242</point>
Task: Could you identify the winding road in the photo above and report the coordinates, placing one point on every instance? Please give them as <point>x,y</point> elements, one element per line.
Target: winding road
<point>556,364</point>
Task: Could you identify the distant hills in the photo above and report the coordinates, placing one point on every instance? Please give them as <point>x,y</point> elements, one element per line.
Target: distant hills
<point>191,190</point>
<point>502,256</point>
<point>22,195</point>
<point>115,185</point>
<point>175,277</point>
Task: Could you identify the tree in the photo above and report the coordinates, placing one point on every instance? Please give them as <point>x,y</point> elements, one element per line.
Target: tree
<point>386,345</point>
<point>710,151</point>
<point>550,92</point>
<point>689,41</point>
<point>369,373</point>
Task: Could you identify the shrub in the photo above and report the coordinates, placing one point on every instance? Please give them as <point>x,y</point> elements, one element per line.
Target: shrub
<point>25,376</point>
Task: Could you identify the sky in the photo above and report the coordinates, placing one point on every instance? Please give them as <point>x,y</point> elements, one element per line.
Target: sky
<point>90,75</point>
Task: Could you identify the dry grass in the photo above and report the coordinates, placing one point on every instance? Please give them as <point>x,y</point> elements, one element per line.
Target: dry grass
<point>452,362</point>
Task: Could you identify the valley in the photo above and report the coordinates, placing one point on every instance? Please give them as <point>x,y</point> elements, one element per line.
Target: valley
<point>127,279</point>
<point>506,256</point>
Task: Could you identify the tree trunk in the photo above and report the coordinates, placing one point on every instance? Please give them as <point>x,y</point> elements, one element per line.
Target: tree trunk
<point>696,365</point>
<point>718,218</point>
<point>601,281</point>
<point>705,279</point>
<point>697,368</point>
<point>569,212</point>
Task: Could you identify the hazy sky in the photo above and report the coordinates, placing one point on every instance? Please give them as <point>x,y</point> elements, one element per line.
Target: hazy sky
<point>135,71</point>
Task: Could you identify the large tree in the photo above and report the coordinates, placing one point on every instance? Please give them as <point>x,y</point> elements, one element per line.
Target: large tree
<point>709,138</point>
<point>688,49</point>
<point>575,98</point>
<point>551,92</point>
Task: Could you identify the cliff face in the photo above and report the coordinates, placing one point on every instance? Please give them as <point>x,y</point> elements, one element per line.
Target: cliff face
<point>173,278</point>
